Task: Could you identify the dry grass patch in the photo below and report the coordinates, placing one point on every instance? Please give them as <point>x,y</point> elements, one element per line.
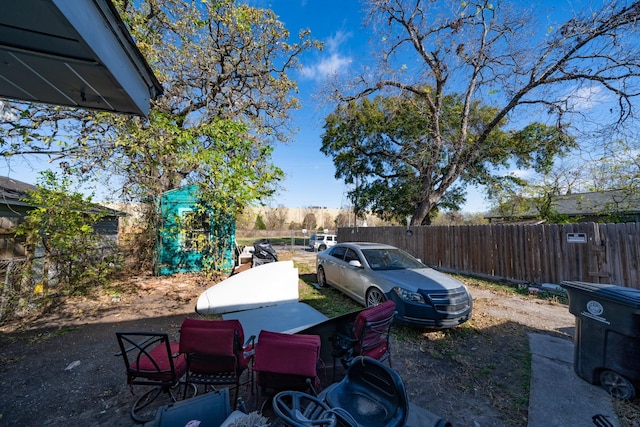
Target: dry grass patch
<point>484,363</point>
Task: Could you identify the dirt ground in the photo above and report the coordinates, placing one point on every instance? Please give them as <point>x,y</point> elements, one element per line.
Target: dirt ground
<point>61,369</point>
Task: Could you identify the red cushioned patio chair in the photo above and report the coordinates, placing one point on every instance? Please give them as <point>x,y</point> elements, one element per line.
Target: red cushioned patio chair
<point>216,353</point>
<point>369,335</point>
<point>151,359</point>
<point>286,362</point>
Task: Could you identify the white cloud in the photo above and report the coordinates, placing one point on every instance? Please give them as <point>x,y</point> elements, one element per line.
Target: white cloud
<point>333,44</point>
<point>331,62</point>
<point>326,67</point>
<point>521,173</point>
<point>586,98</point>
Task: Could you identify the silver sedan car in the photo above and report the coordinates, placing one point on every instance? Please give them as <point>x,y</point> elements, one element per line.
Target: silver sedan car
<point>371,273</point>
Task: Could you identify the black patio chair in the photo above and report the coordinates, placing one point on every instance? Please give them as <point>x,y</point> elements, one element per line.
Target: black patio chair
<point>151,359</point>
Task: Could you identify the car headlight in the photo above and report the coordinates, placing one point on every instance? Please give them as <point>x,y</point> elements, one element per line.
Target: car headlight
<point>408,295</point>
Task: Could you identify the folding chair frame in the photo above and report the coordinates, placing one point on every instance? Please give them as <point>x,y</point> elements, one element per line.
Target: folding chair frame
<point>156,363</point>
<point>373,335</point>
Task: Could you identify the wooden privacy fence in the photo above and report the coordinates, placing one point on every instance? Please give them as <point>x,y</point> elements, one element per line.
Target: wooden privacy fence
<point>547,253</point>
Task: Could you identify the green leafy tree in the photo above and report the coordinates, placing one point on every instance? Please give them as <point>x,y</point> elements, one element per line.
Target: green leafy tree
<point>62,223</point>
<point>613,169</point>
<point>521,198</point>
<point>227,98</point>
<point>259,225</point>
<point>531,200</point>
<point>616,166</point>
<point>497,53</point>
<point>401,164</point>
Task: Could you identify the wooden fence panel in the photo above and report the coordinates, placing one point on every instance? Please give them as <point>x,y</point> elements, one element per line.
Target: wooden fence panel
<point>569,255</point>
<point>597,261</point>
<point>613,250</point>
<point>600,253</point>
<point>634,252</point>
<point>535,251</point>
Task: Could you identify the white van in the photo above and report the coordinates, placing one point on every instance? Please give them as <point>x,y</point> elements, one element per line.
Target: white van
<point>320,242</point>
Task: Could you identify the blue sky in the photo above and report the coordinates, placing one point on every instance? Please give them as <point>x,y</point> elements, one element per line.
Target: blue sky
<point>309,173</point>
<point>309,177</point>
<point>339,24</point>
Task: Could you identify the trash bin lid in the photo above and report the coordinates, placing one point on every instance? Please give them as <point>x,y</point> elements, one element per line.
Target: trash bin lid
<point>616,293</point>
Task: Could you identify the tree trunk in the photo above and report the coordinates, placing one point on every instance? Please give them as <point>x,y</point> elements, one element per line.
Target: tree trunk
<point>421,213</point>
<point>26,279</point>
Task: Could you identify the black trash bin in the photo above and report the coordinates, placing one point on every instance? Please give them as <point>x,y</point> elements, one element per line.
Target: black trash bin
<point>607,336</point>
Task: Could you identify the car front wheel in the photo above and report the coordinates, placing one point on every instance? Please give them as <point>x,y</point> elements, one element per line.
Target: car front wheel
<point>322,280</point>
<point>322,248</point>
<point>374,297</point>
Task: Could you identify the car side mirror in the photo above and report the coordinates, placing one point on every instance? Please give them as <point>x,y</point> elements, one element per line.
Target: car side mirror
<point>355,263</point>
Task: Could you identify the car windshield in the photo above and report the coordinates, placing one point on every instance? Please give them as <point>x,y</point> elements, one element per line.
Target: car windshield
<point>390,259</point>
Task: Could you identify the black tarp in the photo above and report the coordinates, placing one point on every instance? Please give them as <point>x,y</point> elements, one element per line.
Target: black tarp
<point>263,252</point>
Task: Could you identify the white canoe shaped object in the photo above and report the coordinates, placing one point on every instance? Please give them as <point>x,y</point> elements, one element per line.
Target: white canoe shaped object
<point>262,286</point>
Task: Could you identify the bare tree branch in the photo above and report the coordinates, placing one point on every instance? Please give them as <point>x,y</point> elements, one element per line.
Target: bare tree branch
<point>496,52</point>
